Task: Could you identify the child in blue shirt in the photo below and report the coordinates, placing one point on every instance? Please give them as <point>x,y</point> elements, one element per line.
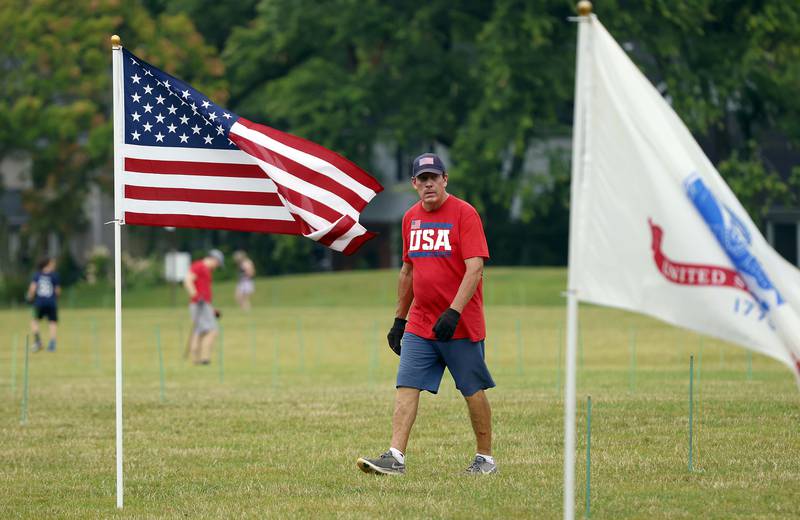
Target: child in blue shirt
<point>43,292</point>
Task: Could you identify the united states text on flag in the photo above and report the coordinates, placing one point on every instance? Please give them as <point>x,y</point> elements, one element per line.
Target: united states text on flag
<point>190,163</point>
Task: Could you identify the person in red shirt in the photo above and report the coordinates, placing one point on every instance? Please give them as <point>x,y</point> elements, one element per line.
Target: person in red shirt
<point>439,319</point>
<point>204,316</point>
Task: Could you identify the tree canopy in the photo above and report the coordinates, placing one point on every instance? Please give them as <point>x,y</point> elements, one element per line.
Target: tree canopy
<point>55,93</point>
<point>488,79</point>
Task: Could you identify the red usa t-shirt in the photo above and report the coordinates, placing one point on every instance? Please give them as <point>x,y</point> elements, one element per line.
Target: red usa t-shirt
<point>202,281</point>
<point>436,243</point>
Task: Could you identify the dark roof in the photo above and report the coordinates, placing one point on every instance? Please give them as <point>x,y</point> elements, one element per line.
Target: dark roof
<point>389,206</point>
<point>783,214</point>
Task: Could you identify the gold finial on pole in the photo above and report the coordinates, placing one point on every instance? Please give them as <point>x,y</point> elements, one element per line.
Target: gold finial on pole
<point>584,8</point>
<point>116,41</point>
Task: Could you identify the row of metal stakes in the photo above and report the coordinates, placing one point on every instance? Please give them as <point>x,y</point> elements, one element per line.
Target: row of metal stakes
<point>373,354</point>
<point>588,509</point>
<point>373,365</point>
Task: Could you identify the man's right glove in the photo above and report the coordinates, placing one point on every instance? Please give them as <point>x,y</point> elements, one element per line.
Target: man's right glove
<point>446,324</point>
<point>396,334</point>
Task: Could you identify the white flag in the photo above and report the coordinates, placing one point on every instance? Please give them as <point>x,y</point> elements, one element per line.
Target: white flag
<point>654,227</point>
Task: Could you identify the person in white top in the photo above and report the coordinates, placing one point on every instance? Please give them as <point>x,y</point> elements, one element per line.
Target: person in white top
<point>245,286</point>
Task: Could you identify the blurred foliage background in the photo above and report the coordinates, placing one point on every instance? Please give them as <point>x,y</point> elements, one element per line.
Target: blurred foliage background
<point>487,79</point>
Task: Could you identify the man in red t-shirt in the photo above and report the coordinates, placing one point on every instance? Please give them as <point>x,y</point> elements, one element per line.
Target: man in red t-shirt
<point>439,320</point>
<point>204,316</point>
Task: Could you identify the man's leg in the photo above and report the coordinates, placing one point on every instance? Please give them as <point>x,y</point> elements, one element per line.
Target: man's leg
<point>421,368</point>
<point>35,327</point>
<point>53,326</point>
<point>193,341</point>
<point>37,340</point>
<point>405,413</point>
<point>466,361</point>
<point>480,414</point>
<point>194,347</point>
<point>206,342</point>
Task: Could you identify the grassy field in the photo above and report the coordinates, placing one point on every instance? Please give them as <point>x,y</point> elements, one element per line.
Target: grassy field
<point>303,385</point>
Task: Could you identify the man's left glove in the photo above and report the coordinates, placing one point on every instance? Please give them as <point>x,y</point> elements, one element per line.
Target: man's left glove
<point>446,324</point>
<point>396,334</point>
<point>217,313</point>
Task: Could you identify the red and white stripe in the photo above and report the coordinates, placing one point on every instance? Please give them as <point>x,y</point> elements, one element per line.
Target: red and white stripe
<point>274,183</point>
<point>216,189</point>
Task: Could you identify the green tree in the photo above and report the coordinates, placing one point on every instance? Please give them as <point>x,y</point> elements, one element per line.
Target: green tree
<point>523,72</point>
<point>55,93</point>
<point>731,71</point>
<point>489,78</point>
<point>484,78</point>
<point>757,186</point>
<point>215,20</point>
<point>346,73</point>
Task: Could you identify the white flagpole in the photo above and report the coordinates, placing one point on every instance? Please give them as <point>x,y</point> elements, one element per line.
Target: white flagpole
<point>119,121</point>
<point>580,164</point>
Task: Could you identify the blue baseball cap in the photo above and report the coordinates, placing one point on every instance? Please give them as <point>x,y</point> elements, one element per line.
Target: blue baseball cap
<point>427,163</point>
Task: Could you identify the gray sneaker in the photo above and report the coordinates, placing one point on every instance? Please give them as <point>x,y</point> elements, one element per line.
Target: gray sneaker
<point>481,466</point>
<point>386,464</point>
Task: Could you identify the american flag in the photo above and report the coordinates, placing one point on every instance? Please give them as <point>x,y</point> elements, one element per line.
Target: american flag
<point>190,163</point>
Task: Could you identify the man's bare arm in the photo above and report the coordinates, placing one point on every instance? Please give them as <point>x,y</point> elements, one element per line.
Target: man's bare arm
<point>405,290</point>
<point>188,284</point>
<point>469,283</point>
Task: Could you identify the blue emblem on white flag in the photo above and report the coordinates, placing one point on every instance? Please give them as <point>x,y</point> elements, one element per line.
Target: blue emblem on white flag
<point>735,239</point>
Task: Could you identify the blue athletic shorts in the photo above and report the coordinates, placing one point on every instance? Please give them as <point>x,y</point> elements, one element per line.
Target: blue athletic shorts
<point>45,311</point>
<point>422,363</point>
